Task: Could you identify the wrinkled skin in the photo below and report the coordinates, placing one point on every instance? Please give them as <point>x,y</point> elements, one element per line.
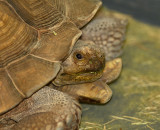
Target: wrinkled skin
<point>54,110</point>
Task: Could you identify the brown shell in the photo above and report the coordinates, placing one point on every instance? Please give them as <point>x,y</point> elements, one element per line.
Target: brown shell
<point>35,36</point>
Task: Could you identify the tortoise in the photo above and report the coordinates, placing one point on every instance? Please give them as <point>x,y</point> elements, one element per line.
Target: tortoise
<point>41,44</point>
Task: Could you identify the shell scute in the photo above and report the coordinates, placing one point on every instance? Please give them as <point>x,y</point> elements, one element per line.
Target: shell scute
<point>35,36</point>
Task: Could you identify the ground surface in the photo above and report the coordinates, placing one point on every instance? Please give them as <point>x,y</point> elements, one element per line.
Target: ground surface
<point>135,104</point>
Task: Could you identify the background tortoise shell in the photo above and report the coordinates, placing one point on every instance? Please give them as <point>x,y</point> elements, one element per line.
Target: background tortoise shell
<point>35,36</point>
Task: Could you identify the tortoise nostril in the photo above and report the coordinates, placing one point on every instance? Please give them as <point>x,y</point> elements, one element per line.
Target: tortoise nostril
<point>79,56</point>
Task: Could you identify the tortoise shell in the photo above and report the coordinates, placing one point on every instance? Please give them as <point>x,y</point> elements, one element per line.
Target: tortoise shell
<point>35,37</point>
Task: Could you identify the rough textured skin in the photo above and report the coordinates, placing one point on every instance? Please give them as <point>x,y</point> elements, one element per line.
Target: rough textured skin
<point>47,109</point>
<point>108,33</point>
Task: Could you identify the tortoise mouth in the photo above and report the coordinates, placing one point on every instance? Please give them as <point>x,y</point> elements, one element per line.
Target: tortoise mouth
<point>77,78</point>
<point>89,71</point>
<point>87,76</point>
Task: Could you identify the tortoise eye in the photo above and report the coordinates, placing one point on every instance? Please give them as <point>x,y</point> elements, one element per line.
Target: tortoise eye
<point>79,56</point>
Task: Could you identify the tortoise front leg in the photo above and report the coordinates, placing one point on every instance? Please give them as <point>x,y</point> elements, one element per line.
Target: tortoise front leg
<point>94,92</point>
<point>48,109</point>
<point>108,33</point>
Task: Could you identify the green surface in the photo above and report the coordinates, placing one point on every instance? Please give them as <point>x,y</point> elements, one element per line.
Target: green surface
<point>135,104</point>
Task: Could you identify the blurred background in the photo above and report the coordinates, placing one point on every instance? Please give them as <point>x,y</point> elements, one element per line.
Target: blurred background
<point>147,11</point>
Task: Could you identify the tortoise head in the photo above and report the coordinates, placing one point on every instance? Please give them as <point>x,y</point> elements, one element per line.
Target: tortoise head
<point>85,64</point>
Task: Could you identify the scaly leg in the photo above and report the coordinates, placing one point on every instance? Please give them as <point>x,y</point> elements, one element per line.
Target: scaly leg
<point>94,92</point>
<point>108,33</point>
<point>47,109</point>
